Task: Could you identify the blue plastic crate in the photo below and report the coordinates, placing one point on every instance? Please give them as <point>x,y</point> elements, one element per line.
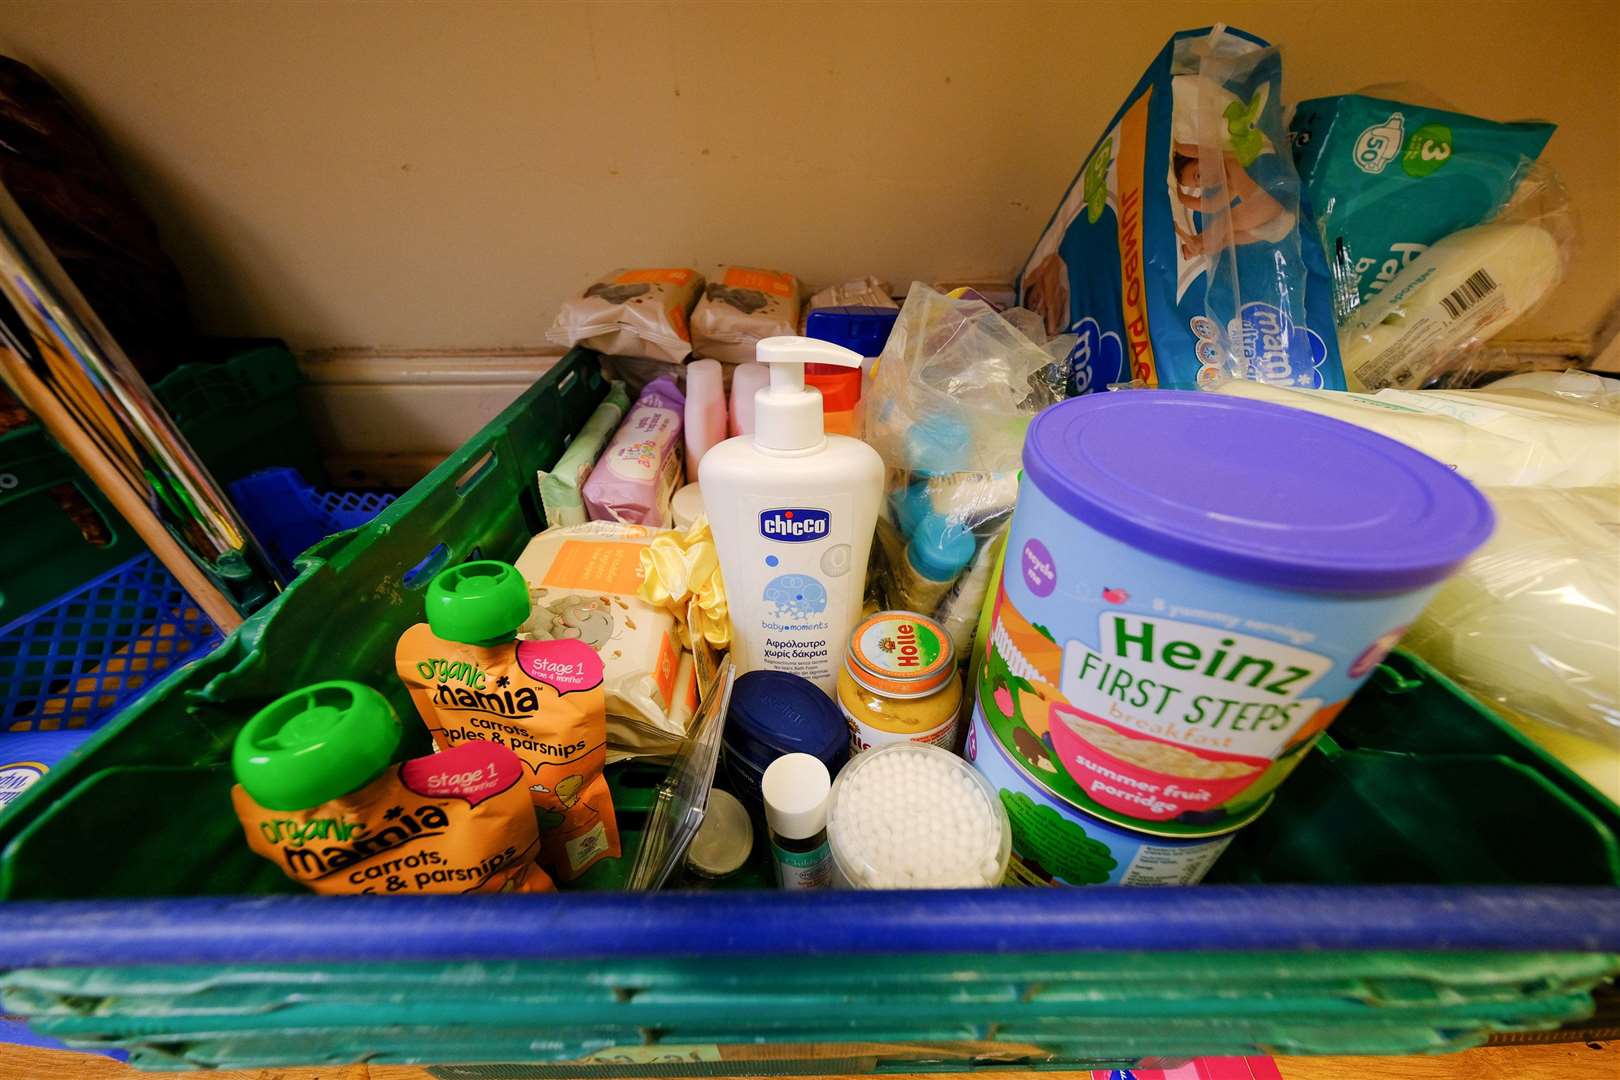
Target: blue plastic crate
<point>82,657</point>
<point>289,515</point>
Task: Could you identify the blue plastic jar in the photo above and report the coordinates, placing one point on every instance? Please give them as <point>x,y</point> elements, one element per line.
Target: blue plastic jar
<point>1194,587</point>
<point>774,713</point>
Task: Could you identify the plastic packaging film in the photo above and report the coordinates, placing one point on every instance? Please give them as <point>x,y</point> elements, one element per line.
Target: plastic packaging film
<point>950,399</point>
<point>1532,622</point>
<point>1552,429</point>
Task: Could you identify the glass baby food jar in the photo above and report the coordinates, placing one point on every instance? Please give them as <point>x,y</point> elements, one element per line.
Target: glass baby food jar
<point>899,682</point>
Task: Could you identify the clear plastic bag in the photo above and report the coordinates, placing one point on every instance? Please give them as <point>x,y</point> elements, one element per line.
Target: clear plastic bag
<point>1532,621</point>
<point>1266,288</point>
<point>950,399</point>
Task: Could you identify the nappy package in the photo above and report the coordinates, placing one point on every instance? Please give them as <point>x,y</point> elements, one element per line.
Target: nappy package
<point>1177,255</point>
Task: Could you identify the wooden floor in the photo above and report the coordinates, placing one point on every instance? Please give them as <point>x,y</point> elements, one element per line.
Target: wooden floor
<point>1563,1061</point>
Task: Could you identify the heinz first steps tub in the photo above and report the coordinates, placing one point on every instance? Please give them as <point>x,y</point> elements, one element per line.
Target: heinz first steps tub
<point>1194,587</point>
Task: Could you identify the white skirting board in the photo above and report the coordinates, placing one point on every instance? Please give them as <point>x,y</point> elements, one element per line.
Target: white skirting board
<point>386,418</point>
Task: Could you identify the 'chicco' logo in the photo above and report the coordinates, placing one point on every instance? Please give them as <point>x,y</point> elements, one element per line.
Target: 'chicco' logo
<point>794,526</point>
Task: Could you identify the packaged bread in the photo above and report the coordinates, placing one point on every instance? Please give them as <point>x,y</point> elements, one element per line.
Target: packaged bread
<point>741,306</point>
<point>641,313</point>
<point>584,582</point>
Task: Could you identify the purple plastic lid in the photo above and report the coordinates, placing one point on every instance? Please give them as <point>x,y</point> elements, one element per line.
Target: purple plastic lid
<point>1255,491</point>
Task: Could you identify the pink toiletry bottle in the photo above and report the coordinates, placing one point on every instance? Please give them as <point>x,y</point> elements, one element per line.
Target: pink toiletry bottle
<point>746,381</point>
<point>705,411</point>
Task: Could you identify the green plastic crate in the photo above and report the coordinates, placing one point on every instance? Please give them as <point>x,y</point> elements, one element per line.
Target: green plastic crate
<point>43,551</point>
<point>750,983</point>
<point>243,414</point>
<point>240,415</point>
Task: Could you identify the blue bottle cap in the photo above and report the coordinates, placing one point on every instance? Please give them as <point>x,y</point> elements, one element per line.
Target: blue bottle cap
<point>940,548</point>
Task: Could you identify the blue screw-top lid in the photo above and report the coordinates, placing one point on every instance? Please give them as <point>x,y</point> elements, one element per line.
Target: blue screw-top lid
<point>1256,491</point>
<point>940,547</point>
<point>774,713</point>
<point>854,326</point>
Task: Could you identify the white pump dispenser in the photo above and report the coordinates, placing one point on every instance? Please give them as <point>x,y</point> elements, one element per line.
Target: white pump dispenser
<point>793,510</point>
<point>787,414</point>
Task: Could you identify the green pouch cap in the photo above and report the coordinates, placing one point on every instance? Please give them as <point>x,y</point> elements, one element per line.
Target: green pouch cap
<point>478,603</point>
<point>316,744</point>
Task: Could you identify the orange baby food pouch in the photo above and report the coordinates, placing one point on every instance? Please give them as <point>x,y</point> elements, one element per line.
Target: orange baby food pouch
<point>475,685</point>
<point>318,797</point>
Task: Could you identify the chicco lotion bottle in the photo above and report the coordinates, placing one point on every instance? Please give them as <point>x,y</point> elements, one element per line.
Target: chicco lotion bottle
<point>792,510</point>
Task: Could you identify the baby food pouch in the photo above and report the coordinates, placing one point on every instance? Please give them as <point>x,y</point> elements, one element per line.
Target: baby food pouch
<point>1177,254</point>
<point>639,471</point>
<point>632,313</point>
<point>318,796</point>
<point>742,307</point>
<point>475,684</point>
<point>1385,179</point>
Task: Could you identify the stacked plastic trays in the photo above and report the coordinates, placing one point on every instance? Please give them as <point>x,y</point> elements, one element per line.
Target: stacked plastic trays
<point>89,618</point>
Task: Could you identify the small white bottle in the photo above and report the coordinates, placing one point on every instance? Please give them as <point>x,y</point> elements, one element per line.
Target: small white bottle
<point>792,510</point>
<point>795,788</point>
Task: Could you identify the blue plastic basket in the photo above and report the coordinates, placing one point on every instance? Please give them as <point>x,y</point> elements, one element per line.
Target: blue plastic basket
<point>94,649</point>
<point>289,515</point>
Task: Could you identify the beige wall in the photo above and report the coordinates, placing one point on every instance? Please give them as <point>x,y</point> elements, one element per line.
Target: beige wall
<point>443,174</point>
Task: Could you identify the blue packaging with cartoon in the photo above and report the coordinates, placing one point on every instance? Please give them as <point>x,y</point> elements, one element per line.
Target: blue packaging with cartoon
<point>1172,281</point>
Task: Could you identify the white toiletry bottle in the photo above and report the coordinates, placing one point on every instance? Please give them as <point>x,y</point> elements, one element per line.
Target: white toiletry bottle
<point>793,509</point>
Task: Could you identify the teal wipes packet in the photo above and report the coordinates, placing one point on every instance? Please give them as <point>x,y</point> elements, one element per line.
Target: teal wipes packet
<point>1385,179</point>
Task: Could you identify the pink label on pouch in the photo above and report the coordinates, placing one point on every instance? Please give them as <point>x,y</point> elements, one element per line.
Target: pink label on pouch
<point>565,666</point>
<point>471,771</point>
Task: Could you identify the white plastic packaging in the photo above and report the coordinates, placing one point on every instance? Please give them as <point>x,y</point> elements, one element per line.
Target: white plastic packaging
<point>866,291</point>
<point>583,581</point>
<point>1466,288</point>
<point>746,381</point>
<point>792,510</point>
<point>640,313</point>
<point>741,306</point>
<point>1553,429</point>
<point>686,506</point>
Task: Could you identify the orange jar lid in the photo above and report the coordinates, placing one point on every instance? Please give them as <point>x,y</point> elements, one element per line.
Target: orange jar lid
<point>840,387</point>
<point>900,654</point>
